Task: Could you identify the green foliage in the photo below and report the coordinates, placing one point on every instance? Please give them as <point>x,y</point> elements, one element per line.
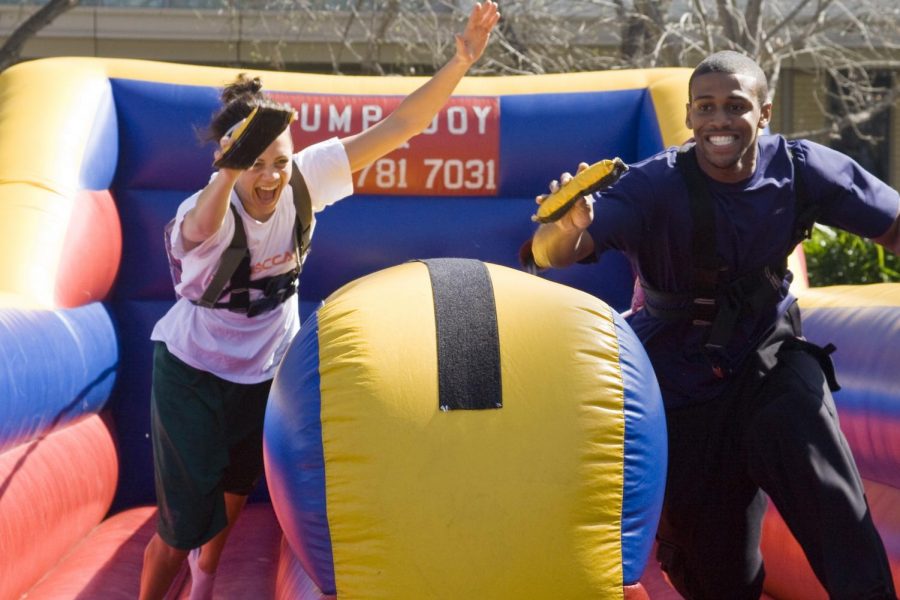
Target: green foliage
<point>835,257</point>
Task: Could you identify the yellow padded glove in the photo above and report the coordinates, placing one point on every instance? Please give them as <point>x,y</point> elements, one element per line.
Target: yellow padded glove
<point>596,177</point>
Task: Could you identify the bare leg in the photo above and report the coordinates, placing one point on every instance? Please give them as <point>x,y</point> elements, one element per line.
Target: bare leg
<point>205,560</point>
<point>161,565</point>
<point>211,551</point>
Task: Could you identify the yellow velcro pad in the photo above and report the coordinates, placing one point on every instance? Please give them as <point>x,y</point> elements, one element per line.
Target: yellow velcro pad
<point>518,502</point>
<point>599,175</point>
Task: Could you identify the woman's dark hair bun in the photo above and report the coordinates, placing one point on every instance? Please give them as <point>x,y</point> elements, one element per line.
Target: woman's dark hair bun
<point>242,87</point>
<point>238,100</point>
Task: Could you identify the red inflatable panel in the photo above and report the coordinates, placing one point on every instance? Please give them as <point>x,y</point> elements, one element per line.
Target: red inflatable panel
<point>53,491</point>
<point>635,592</point>
<point>91,252</point>
<point>107,563</point>
<point>249,563</point>
<point>788,574</point>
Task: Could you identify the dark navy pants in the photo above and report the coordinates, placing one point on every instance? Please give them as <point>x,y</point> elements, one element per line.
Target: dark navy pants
<point>776,433</point>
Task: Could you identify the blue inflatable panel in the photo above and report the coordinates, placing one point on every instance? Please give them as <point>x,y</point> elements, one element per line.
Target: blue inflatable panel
<point>58,366</point>
<point>622,123</point>
<point>866,362</point>
<point>364,234</point>
<point>865,357</point>
<point>294,429</point>
<point>144,273</point>
<point>130,401</point>
<point>307,308</point>
<point>646,453</point>
<point>159,127</point>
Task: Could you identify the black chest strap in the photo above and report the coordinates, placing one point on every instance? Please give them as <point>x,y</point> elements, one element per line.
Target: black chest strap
<point>707,267</point>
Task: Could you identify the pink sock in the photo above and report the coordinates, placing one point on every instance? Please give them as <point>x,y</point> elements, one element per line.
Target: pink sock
<point>201,581</point>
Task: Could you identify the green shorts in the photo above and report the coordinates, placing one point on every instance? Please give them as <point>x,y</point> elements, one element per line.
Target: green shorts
<point>207,440</point>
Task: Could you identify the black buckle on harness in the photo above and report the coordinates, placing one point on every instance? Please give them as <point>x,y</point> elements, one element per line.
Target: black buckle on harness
<point>723,324</point>
<point>703,311</point>
<point>276,291</point>
<point>277,286</point>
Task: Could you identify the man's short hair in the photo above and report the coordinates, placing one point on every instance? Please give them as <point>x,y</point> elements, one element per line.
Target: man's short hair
<point>733,63</point>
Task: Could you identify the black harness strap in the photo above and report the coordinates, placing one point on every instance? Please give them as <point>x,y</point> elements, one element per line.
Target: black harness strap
<point>303,208</point>
<point>706,266</point>
<point>468,342</point>
<point>231,259</point>
<point>233,270</point>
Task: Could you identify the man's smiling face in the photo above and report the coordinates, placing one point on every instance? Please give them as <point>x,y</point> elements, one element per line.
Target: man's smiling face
<point>726,114</point>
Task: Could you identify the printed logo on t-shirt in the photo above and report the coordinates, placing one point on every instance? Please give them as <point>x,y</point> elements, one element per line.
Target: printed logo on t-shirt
<point>259,267</point>
<point>272,261</point>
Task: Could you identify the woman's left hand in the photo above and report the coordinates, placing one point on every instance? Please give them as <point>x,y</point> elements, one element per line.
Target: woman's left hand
<point>471,43</point>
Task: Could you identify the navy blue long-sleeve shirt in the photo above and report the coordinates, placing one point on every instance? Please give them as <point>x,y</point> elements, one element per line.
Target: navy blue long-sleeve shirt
<point>647,215</point>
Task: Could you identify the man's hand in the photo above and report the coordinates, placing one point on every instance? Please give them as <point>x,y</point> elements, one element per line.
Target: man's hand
<point>564,241</point>
<point>891,238</point>
<point>580,216</point>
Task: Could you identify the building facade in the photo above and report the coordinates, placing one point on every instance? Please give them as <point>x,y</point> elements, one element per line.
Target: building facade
<point>326,36</point>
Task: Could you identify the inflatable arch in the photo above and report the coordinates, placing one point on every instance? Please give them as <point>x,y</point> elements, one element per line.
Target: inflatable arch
<point>94,157</point>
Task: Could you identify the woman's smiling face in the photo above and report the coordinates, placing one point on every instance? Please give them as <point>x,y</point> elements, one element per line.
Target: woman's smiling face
<point>726,114</point>
<point>260,186</point>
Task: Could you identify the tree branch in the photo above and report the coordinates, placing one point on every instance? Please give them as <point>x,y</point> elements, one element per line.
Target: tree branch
<point>12,48</point>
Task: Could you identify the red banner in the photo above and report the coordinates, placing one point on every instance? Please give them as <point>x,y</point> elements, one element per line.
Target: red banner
<point>456,155</point>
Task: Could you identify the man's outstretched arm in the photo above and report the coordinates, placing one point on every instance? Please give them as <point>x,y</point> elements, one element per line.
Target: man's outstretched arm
<point>891,239</point>
<point>564,241</point>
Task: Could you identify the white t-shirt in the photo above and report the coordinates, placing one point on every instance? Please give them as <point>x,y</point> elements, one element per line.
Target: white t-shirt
<point>228,344</point>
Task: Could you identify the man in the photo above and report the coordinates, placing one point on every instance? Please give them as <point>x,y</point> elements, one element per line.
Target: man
<point>707,228</point>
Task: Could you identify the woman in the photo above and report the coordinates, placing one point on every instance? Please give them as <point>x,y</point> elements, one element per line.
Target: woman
<point>213,366</point>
